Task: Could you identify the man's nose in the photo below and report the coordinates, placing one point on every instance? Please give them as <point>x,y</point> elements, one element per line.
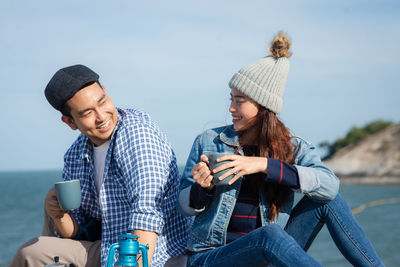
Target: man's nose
<point>101,115</point>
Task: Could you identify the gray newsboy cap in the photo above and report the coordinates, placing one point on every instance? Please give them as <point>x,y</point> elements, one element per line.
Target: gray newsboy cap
<point>66,82</point>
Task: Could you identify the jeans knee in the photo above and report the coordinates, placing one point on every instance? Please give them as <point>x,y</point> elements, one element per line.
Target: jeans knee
<point>272,232</point>
<point>338,204</point>
<point>275,242</point>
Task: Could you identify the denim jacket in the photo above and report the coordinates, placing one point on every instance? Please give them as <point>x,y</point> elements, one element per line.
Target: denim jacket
<point>210,223</point>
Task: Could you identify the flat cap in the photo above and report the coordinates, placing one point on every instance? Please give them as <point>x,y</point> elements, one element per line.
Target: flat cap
<point>66,82</point>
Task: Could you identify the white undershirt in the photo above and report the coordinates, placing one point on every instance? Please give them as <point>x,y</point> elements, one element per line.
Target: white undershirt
<point>99,156</point>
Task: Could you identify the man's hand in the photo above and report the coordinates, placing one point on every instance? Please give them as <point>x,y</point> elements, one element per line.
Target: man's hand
<point>65,224</point>
<point>52,206</point>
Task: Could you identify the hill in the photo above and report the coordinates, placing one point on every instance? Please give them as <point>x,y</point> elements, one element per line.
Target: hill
<point>375,159</point>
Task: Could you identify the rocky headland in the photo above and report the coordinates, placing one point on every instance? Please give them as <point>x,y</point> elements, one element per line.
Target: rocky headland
<point>374,160</point>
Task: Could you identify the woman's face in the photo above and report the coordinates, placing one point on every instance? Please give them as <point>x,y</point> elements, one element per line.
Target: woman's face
<point>243,109</point>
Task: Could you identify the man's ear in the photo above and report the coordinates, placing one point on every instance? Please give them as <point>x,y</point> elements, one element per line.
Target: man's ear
<point>69,121</point>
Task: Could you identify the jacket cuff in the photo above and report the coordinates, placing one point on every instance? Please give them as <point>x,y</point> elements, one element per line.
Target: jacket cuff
<point>184,205</point>
<point>308,179</point>
<point>199,198</point>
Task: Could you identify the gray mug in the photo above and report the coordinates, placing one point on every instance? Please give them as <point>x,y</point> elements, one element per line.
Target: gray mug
<point>212,164</point>
<point>68,194</point>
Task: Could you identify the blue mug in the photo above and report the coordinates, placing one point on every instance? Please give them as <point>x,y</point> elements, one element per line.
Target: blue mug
<point>68,194</point>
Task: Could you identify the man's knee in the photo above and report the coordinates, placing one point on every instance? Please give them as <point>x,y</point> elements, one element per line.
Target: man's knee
<point>26,253</point>
<point>42,250</point>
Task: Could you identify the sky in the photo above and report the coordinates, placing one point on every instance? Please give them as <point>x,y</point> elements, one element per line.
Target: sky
<point>174,59</point>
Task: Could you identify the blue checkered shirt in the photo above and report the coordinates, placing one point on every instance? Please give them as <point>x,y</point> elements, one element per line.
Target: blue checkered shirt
<point>140,186</point>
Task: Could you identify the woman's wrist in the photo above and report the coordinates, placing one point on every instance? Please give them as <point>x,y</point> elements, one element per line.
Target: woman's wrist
<point>264,165</point>
<point>209,190</point>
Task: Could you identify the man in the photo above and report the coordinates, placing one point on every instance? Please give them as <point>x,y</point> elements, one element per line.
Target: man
<point>128,174</point>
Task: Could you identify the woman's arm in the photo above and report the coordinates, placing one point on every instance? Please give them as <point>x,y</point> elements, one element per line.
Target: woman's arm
<point>309,175</point>
<point>316,180</point>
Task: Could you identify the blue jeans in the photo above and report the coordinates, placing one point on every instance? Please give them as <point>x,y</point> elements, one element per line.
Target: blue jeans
<point>272,244</point>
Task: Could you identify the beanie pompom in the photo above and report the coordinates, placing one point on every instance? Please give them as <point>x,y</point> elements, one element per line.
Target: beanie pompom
<point>280,46</point>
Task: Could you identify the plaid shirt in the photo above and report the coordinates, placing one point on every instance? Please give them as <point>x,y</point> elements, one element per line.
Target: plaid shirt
<point>139,189</point>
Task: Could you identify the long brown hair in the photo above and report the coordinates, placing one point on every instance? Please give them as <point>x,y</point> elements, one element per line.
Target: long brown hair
<point>275,141</point>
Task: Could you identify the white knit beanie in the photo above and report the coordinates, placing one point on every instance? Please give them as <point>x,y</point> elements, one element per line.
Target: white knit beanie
<point>264,80</point>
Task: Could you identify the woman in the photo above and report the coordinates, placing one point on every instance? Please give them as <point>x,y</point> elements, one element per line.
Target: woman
<point>250,221</point>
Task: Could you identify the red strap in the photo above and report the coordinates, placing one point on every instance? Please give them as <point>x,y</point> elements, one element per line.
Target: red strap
<point>241,233</point>
<point>244,216</point>
<point>280,180</point>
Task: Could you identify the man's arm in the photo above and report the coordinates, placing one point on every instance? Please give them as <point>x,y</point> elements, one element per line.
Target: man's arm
<point>147,238</point>
<point>147,164</point>
<point>64,223</point>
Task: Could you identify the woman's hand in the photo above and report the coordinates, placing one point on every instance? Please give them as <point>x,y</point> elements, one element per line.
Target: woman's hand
<point>241,165</point>
<point>202,174</point>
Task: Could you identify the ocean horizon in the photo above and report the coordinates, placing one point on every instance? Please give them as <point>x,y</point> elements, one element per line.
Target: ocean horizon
<point>376,207</point>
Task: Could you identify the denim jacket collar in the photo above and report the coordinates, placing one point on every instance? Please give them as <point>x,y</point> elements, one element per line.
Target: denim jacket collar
<point>229,136</point>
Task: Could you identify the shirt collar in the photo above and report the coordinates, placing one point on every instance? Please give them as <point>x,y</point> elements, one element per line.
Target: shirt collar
<point>121,117</point>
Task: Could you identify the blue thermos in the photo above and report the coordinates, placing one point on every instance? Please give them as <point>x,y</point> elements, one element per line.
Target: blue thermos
<point>128,248</point>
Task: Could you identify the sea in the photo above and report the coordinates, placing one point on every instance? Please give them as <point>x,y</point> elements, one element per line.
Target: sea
<point>376,207</point>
